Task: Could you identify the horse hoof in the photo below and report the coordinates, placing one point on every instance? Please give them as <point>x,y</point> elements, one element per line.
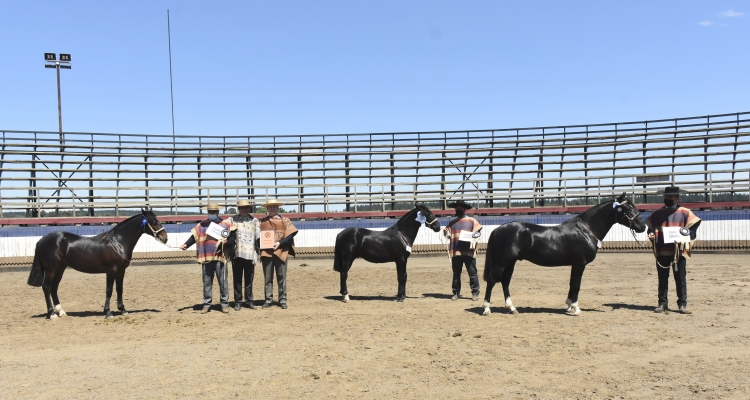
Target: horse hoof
<point>487,311</point>
<point>52,317</point>
<point>60,312</point>
<point>123,312</point>
<point>109,316</point>
<point>573,313</point>
<point>400,299</point>
<point>345,299</point>
<point>514,312</point>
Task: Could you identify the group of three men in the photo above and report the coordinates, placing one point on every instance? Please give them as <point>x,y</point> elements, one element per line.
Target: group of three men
<point>237,239</point>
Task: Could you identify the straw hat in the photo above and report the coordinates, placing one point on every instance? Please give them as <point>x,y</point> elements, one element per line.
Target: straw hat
<point>243,203</point>
<point>273,202</point>
<point>212,207</point>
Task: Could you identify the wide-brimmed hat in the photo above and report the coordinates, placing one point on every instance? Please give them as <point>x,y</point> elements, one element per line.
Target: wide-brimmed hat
<point>212,207</point>
<point>272,202</point>
<point>460,203</point>
<point>243,203</point>
<point>671,190</point>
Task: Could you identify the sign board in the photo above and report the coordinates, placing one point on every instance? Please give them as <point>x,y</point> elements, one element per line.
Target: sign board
<point>216,231</point>
<point>675,234</point>
<point>465,236</point>
<point>267,239</point>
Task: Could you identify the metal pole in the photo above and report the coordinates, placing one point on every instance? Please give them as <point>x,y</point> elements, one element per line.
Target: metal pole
<point>59,103</point>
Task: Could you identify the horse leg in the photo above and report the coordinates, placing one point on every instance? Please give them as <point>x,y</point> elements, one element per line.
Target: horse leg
<point>505,281</point>
<point>53,292</point>
<point>110,282</point>
<point>487,297</point>
<point>576,273</point>
<point>49,277</point>
<point>344,274</point>
<point>119,280</point>
<point>401,271</point>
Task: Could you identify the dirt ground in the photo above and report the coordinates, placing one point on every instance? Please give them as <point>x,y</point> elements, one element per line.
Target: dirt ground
<point>373,347</point>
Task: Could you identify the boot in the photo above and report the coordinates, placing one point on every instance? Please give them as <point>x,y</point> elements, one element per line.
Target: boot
<point>661,308</point>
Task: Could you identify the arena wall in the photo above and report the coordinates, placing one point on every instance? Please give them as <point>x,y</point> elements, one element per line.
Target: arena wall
<point>724,230</point>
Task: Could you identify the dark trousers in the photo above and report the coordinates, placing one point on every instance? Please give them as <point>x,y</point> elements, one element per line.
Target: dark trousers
<point>471,268</point>
<point>680,279</point>
<point>241,267</point>
<point>271,264</point>
<point>219,269</point>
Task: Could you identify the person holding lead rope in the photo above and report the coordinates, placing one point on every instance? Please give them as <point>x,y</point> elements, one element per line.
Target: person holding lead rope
<point>668,229</point>
<point>463,233</point>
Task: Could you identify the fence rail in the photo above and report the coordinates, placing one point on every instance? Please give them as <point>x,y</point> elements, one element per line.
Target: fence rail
<point>89,174</point>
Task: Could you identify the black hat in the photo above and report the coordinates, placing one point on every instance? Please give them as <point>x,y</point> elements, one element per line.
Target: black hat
<point>460,203</point>
<point>671,190</point>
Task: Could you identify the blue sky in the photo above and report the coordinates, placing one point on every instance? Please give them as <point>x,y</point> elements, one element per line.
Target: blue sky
<point>318,67</point>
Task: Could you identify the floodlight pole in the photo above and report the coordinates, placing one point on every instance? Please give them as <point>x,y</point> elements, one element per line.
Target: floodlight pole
<point>59,102</point>
<point>65,59</point>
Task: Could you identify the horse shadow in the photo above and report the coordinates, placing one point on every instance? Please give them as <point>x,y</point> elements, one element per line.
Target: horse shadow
<point>635,307</point>
<point>79,314</point>
<point>437,295</point>
<point>527,310</point>
<point>366,298</point>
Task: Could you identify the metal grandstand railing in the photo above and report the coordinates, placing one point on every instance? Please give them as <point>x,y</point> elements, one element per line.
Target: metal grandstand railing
<point>87,174</point>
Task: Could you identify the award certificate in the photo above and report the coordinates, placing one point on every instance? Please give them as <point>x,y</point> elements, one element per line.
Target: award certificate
<point>267,239</point>
<point>465,236</point>
<point>216,231</point>
<point>675,234</point>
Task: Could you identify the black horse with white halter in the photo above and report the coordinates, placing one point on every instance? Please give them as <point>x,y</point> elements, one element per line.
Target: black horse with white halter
<point>107,253</point>
<point>575,242</point>
<point>391,245</point>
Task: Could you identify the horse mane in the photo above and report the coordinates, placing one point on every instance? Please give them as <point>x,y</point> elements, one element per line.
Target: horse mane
<point>119,225</point>
<point>403,218</point>
<point>586,215</point>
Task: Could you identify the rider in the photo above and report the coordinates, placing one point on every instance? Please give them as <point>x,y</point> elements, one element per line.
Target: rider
<point>463,248</point>
<point>672,255</point>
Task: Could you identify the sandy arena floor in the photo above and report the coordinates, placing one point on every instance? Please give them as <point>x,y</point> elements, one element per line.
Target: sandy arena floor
<point>427,347</point>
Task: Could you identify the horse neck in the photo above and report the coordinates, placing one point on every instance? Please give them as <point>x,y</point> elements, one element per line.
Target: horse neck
<point>128,232</point>
<point>408,226</point>
<point>599,219</point>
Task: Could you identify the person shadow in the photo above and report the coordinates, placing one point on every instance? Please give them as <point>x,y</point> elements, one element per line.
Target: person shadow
<point>634,307</point>
<point>437,295</point>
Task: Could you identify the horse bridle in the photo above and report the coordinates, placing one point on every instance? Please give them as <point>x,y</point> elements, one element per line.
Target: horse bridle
<point>630,222</point>
<point>153,232</point>
<point>434,219</point>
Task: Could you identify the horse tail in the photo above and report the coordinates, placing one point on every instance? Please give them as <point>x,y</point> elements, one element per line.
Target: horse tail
<point>336,261</point>
<point>489,259</point>
<point>336,254</point>
<point>36,276</point>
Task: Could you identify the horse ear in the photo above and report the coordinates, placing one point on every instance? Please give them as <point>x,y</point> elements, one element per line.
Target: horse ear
<point>621,198</point>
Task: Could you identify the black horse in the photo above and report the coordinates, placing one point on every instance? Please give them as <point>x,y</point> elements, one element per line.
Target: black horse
<point>392,244</point>
<point>574,242</point>
<point>109,252</point>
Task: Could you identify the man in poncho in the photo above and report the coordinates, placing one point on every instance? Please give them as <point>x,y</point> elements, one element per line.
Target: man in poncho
<point>209,236</point>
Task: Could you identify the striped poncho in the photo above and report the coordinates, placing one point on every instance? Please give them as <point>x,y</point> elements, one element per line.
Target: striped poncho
<point>208,248</point>
<point>460,248</point>
<point>672,217</point>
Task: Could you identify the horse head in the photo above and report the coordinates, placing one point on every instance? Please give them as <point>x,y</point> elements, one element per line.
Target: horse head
<point>431,221</point>
<point>627,215</point>
<point>153,226</point>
